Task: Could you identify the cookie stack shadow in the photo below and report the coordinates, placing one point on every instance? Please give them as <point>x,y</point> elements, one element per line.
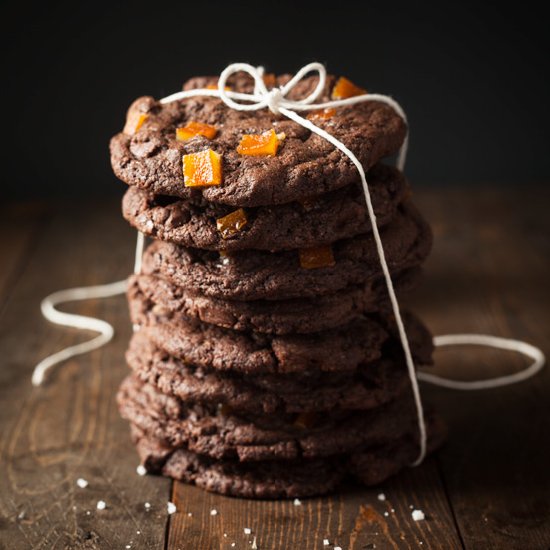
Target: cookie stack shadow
<point>266,361</point>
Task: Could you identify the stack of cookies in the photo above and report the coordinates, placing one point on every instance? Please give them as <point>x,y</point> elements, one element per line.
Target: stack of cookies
<point>266,362</point>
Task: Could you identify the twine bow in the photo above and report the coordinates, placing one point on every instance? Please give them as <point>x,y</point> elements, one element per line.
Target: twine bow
<point>276,98</point>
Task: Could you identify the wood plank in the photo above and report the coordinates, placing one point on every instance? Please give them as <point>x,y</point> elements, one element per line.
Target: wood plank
<point>353,519</point>
<point>18,226</point>
<point>484,275</point>
<point>489,273</point>
<point>70,428</point>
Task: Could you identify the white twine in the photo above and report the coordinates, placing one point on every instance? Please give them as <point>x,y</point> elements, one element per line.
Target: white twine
<point>105,329</point>
<point>277,102</point>
<point>140,243</point>
<point>486,340</point>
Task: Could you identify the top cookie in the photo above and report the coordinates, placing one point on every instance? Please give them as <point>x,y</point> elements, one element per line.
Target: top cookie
<point>304,165</point>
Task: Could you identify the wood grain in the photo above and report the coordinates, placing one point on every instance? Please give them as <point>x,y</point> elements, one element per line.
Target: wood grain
<point>487,488</point>
<point>489,274</point>
<point>19,223</point>
<point>70,428</point>
<point>352,519</point>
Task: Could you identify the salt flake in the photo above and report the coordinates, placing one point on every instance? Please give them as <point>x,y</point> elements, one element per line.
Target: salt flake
<point>297,502</point>
<point>101,505</point>
<point>82,483</point>
<point>418,515</point>
<point>381,497</point>
<point>213,512</point>
<point>141,470</point>
<point>171,507</point>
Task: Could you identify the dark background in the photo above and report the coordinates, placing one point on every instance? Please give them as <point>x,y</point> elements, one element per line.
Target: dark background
<point>472,78</point>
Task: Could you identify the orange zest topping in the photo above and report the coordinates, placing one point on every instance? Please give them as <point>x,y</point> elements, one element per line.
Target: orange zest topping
<point>345,88</point>
<point>270,80</point>
<point>260,144</point>
<point>134,121</point>
<point>202,169</point>
<point>317,256</point>
<point>322,114</point>
<point>192,129</point>
<point>232,223</point>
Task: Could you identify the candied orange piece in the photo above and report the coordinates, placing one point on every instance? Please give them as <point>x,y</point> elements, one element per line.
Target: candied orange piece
<point>305,420</point>
<point>202,169</point>
<point>270,80</point>
<point>232,223</point>
<point>316,256</point>
<point>256,145</point>
<point>322,114</point>
<point>134,121</point>
<point>345,88</point>
<point>192,129</point>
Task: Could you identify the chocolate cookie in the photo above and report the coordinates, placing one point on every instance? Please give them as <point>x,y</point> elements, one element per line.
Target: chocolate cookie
<point>367,387</point>
<point>284,479</point>
<point>221,433</point>
<point>305,163</point>
<point>320,220</point>
<point>207,345</point>
<point>258,275</point>
<point>343,348</point>
<point>300,316</point>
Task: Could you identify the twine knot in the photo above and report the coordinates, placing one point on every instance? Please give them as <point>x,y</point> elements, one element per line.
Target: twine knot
<point>276,99</point>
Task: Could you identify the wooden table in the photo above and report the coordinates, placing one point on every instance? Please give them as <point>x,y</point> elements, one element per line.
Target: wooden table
<point>489,487</point>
